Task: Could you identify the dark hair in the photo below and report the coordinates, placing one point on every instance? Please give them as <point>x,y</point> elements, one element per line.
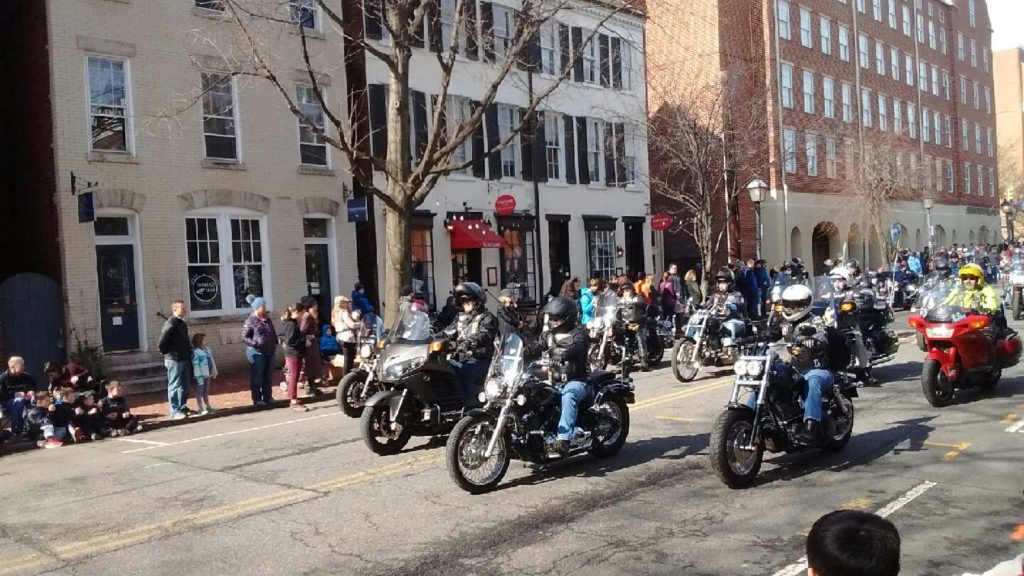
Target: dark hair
<point>853,543</point>
<point>112,384</point>
<point>52,368</point>
<point>197,339</point>
<point>298,307</point>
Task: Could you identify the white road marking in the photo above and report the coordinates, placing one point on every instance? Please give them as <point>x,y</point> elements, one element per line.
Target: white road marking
<point>137,441</point>
<point>1016,427</point>
<point>231,433</point>
<point>800,566</point>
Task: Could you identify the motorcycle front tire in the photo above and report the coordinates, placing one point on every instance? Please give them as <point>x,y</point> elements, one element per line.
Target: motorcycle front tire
<point>683,368</point>
<point>937,390</point>
<point>379,445</point>
<point>350,393</point>
<point>454,444</point>
<point>724,435</point>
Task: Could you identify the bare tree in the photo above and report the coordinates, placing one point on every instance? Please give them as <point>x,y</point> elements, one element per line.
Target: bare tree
<point>403,26</point>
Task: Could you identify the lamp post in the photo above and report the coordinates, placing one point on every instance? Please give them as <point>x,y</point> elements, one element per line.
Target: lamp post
<point>757,189</point>
<point>1007,208</point>
<point>928,221</point>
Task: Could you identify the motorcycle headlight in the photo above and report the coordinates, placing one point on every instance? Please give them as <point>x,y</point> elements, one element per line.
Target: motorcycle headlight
<point>365,351</point>
<point>740,367</point>
<point>754,368</point>
<point>395,370</point>
<point>493,389</point>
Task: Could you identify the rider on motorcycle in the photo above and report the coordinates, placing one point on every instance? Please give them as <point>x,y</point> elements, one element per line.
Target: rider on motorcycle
<point>973,293</point>
<point>727,304</point>
<point>473,333</point>
<point>842,291</point>
<point>633,310</point>
<point>564,339</point>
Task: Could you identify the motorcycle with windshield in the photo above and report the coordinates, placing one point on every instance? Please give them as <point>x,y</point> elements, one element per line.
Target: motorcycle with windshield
<point>360,383</point>
<point>519,419</point>
<point>706,343</point>
<point>864,315</point>
<point>613,334</point>
<point>1014,288</point>
<point>419,391</point>
<point>765,413</point>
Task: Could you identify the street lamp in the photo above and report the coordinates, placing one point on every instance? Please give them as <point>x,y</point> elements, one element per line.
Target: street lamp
<point>1007,208</point>
<point>757,189</point>
<point>928,221</point>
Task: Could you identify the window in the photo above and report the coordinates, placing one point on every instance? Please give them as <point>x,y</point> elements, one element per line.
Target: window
<point>967,178</point>
<point>553,146</point>
<point>988,100</point>
<point>826,35</point>
<point>937,123</point>
<point>865,107</point>
<point>897,116</point>
<point>971,16</point>
<point>926,125</point>
<point>880,58</point>
<point>911,120</point>
<point>849,160</point>
<point>505,31</point>
<point>963,90</point>
<point>516,256</point>
<point>883,114</point>
<point>981,180</point>
<point>950,184</point>
<point>932,39</point>
<point>312,147</point>
<point>974,52</point>
<point>458,110</point>
<point>219,117</point>
<point>965,135</point>
<point>595,130</point>
<point>991,182</point>
<point>847,103</point>
<point>977,96</point>
<point>448,33</point>
<point>590,66</point>
<point>423,261</point>
<point>108,104</point>
<point>549,49</point>
<point>909,69</point>
<point>806,39</point>
<point>945,84</point>
<point>892,14</point>
<point>782,12</point>
<point>828,92</point>
<point>808,92</point>
<point>942,40</point>
<point>984,58</point>
<point>601,248</point>
<point>862,50</point>
<point>217,268</point>
<point>906,20</point>
<point>860,6</point>
<point>960,46</point>
<point>938,175</point>
<point>830,157</point>
<point>630,59</point>
<point>894,63</point>
<point>977,138</point>
<point>305,13</point>
<point>926,167</point>
<point>920,27</point>
<point>914,176</point>
<point>988,142</point>
<point>629,148</point>
<point>787,85</point>
<point>947,129</point>
<point>844,43</point>
<point>789,149</point>
<point>811,149</point>
<point>508,121</point>
<point>922,75</point>
<point>935,80</point>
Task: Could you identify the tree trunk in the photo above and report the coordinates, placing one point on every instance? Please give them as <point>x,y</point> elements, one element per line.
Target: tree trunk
<point>398,261</point>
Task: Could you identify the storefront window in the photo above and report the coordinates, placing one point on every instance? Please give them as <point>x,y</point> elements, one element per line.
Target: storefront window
<point>216,267</point>
<point>423,264</point>
<point>601,251</point>
<point>517,257</point>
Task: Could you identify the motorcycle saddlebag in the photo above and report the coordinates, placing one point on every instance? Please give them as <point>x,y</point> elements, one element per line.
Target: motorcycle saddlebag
<point>1008,351</point>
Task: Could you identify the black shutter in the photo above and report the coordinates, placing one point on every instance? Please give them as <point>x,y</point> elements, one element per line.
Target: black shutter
<point>609,154</point>
<point>569,149</point>
<point>526,143</point>
<point>620,154</point>
<point>566,47</point>
<point>378,121</point>
<point>372,14</point>
<point>577,46</point>
<point>487,30</point>
<point>493,140</point>
<point>469,6</point>
<point>616,63</point>
<point>479,168</point>
<point>540,150</point>
<point>605,59</point>
<point>434,26</point>
<point>581,150</point>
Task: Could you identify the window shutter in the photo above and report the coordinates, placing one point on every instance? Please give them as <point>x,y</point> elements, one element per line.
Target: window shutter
<point>566,47</point>
<point>616,63</point>
<point>620,154</point>
<point>577,64</point>
<point>479,168</point>
<point>378,121</point>
<point>609,154</point>
<point>581,150</point>
<point>605,59</point>
<point>540,149</point>
<point>487,30</point>
<point>434,26</point>
<point>568,149</point>
<point>493,140</point>
<point>469,7</point>
<point>372,14</point>
<point>527,139</point>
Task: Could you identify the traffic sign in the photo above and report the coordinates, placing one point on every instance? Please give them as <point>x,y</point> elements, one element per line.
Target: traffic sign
<point>505,204</point>
<point>660,222</point>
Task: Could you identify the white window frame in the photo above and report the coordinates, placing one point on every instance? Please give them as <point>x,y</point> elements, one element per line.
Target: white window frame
<point>897,116</point>
<point>980,172</point>
<point>844,43</point>
<point>974,53</point>
<point>906,20</point>
<point>926,125</point>
<point>989,144</point>
<point>630,69</point>
<point>828,92</point>
<point>965,134</point>
<point>908,71</point>
<point>811,153</point>
<point>945,84</point>
<point>223,217</point>
<point>789,150</point>
<point>553,124</point>
<point>591,61</point>
<point>977,95</point>
<point>595,150</point>
<point>866,116</point>
<point>235,118</point>
<point>879,58</point>
<point>504,28</point>
<point>508,120</point>
<point>550,51</point>
<point>963,90</point>
<point>950,178</point>
<point>458,109</point>
<point>830,157</point>
<point>960,46</point>
<point>808,88</point>
<point>847,92</point>
<point>876,10</point>
<point>943,41</point>
<point>892,14</point>
<point>967,178</point>
<point>786,85</point>
<point>862,51</point>
<point>971,14</point>
<point>129,131</point>
<point>984,58</point>
<point>447,18</point>
<point>922,75</point>
<point>988,100</point>
<point>932,38</point>
<point>883,113</point>
<point>784,19</point>
<point>894,63</point>
<point>825,28</point>
<point>991,182</point>
<point>937,126</point>
<point>947,125</point>
<point>295,8</point>
<point>300,100</point>
<point>919,27</point>
<point>977,139</point>
<point>806,28</point>
<point>912,121</point>
<point>935,80</point>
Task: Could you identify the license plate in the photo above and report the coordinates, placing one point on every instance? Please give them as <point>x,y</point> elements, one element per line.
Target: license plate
<point>939,332</point>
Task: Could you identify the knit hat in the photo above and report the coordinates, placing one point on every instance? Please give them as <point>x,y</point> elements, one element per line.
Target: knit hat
<point>258,302</point>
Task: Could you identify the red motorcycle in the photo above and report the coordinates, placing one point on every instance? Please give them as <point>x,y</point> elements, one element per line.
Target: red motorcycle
<point>962,352</point>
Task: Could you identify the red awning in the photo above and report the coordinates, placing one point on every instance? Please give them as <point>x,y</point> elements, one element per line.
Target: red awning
<point>469,234</point>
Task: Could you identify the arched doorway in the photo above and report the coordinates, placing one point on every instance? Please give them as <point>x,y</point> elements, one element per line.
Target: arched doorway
<point>984,237</point>
<point>970,237</point>
<point>855,244</point>
<point>824,245</point>
<point>940,236</point>
<point>796,242</point>
<point>955,241</point>
<point>917,240</point>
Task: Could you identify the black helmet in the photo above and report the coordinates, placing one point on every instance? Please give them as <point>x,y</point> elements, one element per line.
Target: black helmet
<point>941,264</point>
<point>561,313</point>
<point>724,274</point>
<point>470,291</point>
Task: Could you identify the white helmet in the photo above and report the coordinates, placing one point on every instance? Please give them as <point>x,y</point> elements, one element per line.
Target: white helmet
<point>796,302</point>
<point>840,273</point>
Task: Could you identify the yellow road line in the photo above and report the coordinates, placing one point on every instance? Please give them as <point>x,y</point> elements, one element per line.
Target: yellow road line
<point>674,418</point>
<point>955,449</point>
<point>644,404</point>
<point>858,504</point>
<point>1009,418</point>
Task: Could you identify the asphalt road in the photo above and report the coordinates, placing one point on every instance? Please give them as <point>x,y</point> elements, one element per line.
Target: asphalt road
<point>279,493</point>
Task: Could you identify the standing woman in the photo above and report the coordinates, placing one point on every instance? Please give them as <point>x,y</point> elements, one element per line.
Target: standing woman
<point>312,361</point>
<point>668,296</point>
<point>294,342</point>
<point>347,328</point>
<point>693,287</point>
<point>571,288</point>
<point>260,340</point>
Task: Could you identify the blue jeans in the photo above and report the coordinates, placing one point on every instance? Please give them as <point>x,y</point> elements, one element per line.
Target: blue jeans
<point>179,373</point>
<point>573,392</point>
<point>261,372</point>
<point>15,410</point>
<point>817,381</point>
<point>734,327</point>
<point>471,375</point>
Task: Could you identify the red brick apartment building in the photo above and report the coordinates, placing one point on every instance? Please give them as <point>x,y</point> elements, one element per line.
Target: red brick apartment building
<point>859,114</point>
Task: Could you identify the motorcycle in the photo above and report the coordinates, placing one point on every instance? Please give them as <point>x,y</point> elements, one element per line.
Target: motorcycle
<point>419,390</point>
<point>1015,286</point>
<point>865,315</point>
<point>772,417</point>
<point>904,289</point>
<point>707,343</point>
<point>520,418</point>
<point>964,350</point>
<point>360,383</point>
<point>612,336</point>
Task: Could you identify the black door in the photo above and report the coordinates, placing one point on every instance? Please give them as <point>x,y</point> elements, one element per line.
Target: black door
<point>635,247</point>
<point>318,278</point>
<point>119,313</point>
<point>558,254</point>
<point>467,266</point>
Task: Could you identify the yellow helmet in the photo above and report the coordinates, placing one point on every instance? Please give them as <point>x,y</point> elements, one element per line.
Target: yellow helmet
<point>972,271</point>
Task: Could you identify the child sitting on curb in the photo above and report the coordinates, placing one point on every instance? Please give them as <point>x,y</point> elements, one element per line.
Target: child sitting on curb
<point>117,416</point>
<point>39,422</point>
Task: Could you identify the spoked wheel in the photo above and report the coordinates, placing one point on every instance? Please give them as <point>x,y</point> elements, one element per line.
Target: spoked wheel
<point>464,454</point>
<point>938,390</point>
<point>352,393</point>
<point>612,428</point>
<point>379,434</point>
<point>844,424</point>
<point>990,381</point>
<point>734,464</point>
<point>683,366</point>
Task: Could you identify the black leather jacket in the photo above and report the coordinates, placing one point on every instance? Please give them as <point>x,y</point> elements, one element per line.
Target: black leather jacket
<point>567,350</point>
<point>473,334</point>
<point>727,305</point>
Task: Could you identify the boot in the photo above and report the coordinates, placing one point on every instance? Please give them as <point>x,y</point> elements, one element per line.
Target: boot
<point>809,435</point>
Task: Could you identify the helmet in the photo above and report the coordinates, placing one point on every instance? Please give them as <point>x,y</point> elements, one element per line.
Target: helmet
<point>724,274</point>
<point>470,291</point>
<point>941,264</point>
<point>972,271</point>
<point>796,302</point>
<point>840,273</point>
<point>561,313</point>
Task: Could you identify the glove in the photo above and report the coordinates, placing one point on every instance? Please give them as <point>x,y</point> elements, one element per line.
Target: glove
<point>809,343</point>
<point>806,330</point>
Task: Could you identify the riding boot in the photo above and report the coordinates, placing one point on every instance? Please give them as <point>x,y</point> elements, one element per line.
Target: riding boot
<point>809,434</point>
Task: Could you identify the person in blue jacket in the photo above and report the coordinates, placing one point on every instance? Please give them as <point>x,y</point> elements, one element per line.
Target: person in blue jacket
<point>587,301</point>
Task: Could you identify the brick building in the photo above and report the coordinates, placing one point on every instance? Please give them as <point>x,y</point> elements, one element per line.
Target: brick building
<point>874,108</point>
